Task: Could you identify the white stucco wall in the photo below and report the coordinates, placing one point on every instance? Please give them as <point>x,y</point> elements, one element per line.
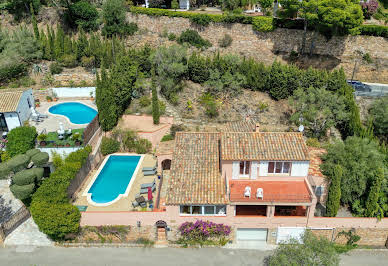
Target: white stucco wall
<point>74,92</point>
<point>12,120</point>
<point>300,168</point>
<point>64,152</point>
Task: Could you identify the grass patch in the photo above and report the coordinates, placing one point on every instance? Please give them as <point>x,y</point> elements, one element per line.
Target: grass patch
<point>52,139</point>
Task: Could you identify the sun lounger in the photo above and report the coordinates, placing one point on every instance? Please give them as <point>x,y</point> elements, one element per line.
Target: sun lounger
<point>135,204</point>
<point>146,169</point>
<point>145,190</point>
<point>146,173</point>
<point>36,119</point>
<point>146,185</point>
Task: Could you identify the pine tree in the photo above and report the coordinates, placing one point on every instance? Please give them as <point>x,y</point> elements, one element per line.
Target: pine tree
<point>334,195</point>
<point>67,45</point>
<point>373,209</point>
<point>34,22</point>
<point>155,101</point>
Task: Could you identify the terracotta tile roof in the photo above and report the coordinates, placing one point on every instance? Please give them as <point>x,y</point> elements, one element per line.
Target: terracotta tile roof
<point>9,101</point>
<point>273,191</point>
<point>315,161</point>
<point>264,146</point>
<point>240,126</point>
<point>195,177</point>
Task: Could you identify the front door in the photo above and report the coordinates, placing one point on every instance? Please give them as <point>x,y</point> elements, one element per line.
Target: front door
<point>3,123</point>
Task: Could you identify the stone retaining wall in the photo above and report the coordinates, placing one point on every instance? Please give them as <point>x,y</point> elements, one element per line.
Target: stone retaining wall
<point>369,236</point>
<point>267,47</point>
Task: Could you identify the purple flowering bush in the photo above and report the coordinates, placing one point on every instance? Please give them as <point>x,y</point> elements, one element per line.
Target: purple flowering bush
<point>204,230</point>
<point>369,8</point>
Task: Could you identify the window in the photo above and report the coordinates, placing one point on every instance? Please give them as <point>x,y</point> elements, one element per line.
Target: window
<point>29,103</point>
<point>3,123</point>
<point>214,210</point>
<point>279,167</point>
<point>244,168</point>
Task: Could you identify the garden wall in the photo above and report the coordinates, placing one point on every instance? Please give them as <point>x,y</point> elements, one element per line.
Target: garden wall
<point>336,52</point>
<point>17,219</point>
<point>68,92</point>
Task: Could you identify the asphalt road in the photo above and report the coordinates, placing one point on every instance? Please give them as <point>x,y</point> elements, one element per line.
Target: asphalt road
<point>58,256</point>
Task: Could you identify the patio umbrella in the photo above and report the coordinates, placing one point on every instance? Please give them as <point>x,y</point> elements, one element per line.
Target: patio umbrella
<point>149,194</point>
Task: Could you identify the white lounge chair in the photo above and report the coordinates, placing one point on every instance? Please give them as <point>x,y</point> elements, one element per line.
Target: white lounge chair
<point>260,193</point>
<point>247,191</point>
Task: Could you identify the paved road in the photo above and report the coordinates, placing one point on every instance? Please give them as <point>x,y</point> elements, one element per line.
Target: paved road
<point>161,257</point>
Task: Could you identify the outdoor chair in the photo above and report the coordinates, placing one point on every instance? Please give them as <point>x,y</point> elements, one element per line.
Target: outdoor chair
<point>146,169</point>
<point>36,119</point>
<point>143,204</point>
<point>135,204</point>
<point>140,199</point>
<point>146,185</point>
<point>145,190</point>
<point>151,172</point>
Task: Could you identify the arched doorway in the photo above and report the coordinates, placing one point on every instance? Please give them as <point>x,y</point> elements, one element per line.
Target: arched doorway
<point>166,164</point>
<point>161,232</point>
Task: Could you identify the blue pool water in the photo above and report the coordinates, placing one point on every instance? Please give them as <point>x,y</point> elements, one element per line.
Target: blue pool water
<point>114,178</point>
<point>77,113</point>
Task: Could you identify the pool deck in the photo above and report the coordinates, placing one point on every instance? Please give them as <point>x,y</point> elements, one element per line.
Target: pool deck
<point>125,203</point>
<point>52,122</point>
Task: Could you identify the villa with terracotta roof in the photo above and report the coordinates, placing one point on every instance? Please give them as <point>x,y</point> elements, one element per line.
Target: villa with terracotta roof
<point>15,108</point>
<point>237,176</point>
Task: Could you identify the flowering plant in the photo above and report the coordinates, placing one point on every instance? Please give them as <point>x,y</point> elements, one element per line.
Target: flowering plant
<point>369,8</point>
<point>202,230</point>
<point>3,143</point>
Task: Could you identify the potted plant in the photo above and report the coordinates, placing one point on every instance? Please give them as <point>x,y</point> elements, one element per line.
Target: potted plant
<point>42,139</point>
<point>77,138</point>
<point>91,96</point>
<point>55,96</point>
<point>67,144</point>
<point>37,104</point>
<point>49,98</point>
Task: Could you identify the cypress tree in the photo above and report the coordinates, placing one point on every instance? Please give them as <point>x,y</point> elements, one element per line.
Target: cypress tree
<point>334,195</point>
<point>373,209</point>
<point>59,42</point>
<point>67,45</point>
<point>43,44</point>
<point>34,22</point>
<point>155,101</point>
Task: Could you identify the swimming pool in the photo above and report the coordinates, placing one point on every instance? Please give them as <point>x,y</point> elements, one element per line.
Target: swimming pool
<point>77,113</point>
<point>114,179</point>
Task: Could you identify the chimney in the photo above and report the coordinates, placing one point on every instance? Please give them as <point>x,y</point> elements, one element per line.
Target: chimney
<point>257,128</point>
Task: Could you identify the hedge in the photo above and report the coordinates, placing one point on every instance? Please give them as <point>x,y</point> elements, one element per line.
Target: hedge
<point>24,177</point>
<point>18,163</point>
<point>50,207</point>
<point>40,159</point>
<point>22,192</point>
<point>109,146</point>
<point>263,24</point>
<point>38,173</point>
<point>21,139</point>
<point>4,170</point>
<point>374,30</point>
<point>32,152</point>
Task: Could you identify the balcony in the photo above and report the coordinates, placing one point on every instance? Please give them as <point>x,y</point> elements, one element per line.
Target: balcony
<point>273,192</point>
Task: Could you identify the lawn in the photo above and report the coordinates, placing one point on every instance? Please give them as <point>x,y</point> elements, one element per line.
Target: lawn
<point>53,141</point>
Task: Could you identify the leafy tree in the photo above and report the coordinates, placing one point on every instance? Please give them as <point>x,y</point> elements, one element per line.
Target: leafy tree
<point>334,195</point>
<point>379,115</point>
<point>21,139</point>
<point>373,209</point>
<point>113,13</point>
<point>319,108</point>
<point>314,251</point>
<point>82,14</point>
<point>289,8</point>
<point>359,158</point>
<point>155,103</point>
<point>174,4</point>
<point>20,8</point>
<point>265,4</point>
<point>282,80</point>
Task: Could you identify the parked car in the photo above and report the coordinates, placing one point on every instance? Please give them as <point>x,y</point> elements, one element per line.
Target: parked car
<point>358,85</point>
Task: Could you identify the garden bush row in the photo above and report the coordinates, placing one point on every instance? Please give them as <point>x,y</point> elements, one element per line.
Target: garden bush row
<point>50,206</point>
<point>260,23</point>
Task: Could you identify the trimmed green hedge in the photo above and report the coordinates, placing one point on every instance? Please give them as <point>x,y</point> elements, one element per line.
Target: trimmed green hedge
<point>40,159</point>
<point>38,173</point>
<point>22,192</point>
<point>24,177</point>
<point>4,170</point>
<point>374,30</point>
<point>50,206</point>
<point>263,24</point>
<point>18,163</point>
<point>32,152</point>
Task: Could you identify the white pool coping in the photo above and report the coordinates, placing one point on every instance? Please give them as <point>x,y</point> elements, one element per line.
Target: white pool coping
<point>68,120</point>
<point>133,177</point>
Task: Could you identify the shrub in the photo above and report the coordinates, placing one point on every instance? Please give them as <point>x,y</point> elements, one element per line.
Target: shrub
<point>144,101</point>
<point>211,108</point>
<point>374,30</point>
<point>167,138</point>
<point>194,39</point>
<point>201,19</point>
<point>24,177</point>
<point>82,14</point>
<point>263,24</point>
<point>4,170</point>
<point>313,142</point>
<point>379,116</point>
<point>18,163</point>
<point>32,152</point>
<point>68,60</point>
<point>55,68</point>
<point>38,173</point>
<point>202,230</point>
<point>113,13</point>
<point>171,37</point>
<point>40,159</point>
<point>369,8</point>
<point>21,139</point>
<point>226,41</point>
<point>22,192</point>
<point>156,4</point>
<point>109,146</point>
<point>143,146</point>
<point>88,62</point>
<point>176,128</point>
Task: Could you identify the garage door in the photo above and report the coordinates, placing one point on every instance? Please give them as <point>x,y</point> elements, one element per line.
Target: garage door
<point>286,233</point>
<point>251,234</point>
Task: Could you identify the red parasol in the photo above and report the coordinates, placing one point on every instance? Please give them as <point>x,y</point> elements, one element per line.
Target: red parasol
<point>149,194</point>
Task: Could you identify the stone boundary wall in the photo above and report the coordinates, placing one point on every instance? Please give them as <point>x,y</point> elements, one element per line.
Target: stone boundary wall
<point>339,51</point>
<point>369,236</point>
<point>17,219</point>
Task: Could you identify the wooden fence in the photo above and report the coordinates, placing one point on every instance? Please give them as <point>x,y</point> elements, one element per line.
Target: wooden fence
<point>91,129</point>
<point>13,222</point>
